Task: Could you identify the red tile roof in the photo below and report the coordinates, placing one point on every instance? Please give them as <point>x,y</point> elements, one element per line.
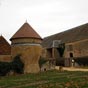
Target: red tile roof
<point>26,31</point>
<point>5,48</point>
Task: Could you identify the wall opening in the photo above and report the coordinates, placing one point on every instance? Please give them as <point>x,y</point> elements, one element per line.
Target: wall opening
<point>71,54</point>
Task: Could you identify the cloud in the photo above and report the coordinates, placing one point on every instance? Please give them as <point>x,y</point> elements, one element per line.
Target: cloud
<point>46,16</point>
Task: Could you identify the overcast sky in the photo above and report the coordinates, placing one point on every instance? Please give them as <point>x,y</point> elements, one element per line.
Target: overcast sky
<point>47,17</point>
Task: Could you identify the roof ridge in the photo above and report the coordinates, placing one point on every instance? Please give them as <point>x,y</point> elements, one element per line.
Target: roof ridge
<point>67,30</point>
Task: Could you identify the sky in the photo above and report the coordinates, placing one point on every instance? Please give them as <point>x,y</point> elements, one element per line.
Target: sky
<point>47,17</point>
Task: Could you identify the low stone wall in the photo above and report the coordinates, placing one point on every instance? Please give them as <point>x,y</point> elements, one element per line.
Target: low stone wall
<point>5,58</point>
<point>47,66</point>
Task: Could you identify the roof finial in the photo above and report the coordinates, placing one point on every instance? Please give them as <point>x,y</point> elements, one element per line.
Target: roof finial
<point>26,21</point>
<point>1,34</point>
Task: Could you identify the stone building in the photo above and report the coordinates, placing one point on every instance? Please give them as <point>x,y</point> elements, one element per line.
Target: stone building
<point>75,40</point>
<point>27,42</point>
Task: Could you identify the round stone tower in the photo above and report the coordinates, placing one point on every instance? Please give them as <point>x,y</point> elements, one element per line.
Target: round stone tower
<point>27,43</point>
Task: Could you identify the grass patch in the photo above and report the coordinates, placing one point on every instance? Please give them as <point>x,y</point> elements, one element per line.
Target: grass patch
<point>48,79</point>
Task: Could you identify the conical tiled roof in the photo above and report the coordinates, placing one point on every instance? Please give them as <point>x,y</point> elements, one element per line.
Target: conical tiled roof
<point>26,31</point>
<point>5,48</point>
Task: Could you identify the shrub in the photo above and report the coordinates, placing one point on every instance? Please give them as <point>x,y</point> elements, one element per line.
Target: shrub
<point>5,67</point>
<point>17,64</point>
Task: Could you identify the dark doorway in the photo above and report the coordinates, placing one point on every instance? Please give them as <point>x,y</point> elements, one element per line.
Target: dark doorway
<point>71,54</point>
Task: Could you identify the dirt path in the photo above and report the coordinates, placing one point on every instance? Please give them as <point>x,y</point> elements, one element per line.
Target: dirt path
<point>71,69</point>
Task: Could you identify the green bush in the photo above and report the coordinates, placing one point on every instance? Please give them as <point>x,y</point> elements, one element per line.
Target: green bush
<point>16,66</point>
<point>5,67</point>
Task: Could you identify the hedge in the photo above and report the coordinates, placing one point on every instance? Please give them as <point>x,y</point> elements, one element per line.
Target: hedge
<point>16,66</point>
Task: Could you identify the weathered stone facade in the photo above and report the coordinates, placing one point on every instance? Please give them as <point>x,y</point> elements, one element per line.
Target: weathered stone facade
<point>76,44</point>
<point>26,40</point>
<point>30,54</point>
<point>77,49</point>
<point>5,58</point>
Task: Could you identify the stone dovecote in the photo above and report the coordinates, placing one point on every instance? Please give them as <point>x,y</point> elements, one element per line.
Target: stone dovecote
<point>27,42</point>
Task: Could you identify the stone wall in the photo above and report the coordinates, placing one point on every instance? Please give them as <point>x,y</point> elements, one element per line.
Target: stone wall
<point>5,58</point>
<point>79,49</point>
<point>26,40</point>
<point>30,55</point>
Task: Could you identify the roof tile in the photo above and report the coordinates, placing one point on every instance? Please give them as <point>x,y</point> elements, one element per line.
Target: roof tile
<point>26,31</point>
<point>5,48</point>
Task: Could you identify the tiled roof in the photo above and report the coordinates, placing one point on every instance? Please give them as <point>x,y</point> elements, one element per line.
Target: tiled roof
<point>72,35</point>
<point>5,48</point>
<point>26,31</point>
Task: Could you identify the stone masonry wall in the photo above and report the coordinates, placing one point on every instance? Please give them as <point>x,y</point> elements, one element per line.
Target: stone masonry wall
<point>5,58</point>
<point>80,49</point>
<point>30,56</point>
<point>26,40</point>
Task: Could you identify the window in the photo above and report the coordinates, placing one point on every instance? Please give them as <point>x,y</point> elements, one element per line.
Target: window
<point>56,43</point>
